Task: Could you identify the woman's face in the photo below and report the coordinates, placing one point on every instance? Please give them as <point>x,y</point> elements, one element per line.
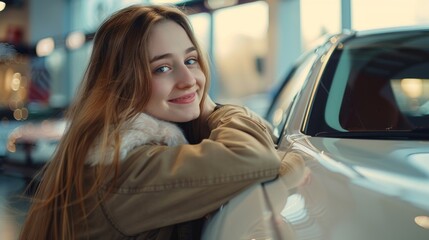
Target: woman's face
<point>177,79</point>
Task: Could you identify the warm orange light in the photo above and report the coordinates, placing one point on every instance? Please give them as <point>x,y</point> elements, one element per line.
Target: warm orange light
<point>413,87</point>
<point>2,5</point>
<point>45,47</point>
<point>75,40</point>
<point>16,82</point>
<point>17,114</point>
<point>422,221</point>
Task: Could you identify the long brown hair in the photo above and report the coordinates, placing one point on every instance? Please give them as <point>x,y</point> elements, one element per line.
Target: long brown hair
<point>115,88</point>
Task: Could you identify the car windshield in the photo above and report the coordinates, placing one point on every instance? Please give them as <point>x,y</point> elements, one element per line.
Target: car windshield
<point>374,84</point>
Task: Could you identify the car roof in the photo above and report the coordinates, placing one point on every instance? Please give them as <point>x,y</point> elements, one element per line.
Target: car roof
<point>415,28</point>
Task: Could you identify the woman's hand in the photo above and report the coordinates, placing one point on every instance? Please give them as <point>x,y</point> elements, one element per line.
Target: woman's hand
<point>293,170</point>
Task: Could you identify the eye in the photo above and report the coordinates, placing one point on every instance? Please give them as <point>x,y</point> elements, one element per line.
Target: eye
<point>162,69</point>
<point>191,61</point>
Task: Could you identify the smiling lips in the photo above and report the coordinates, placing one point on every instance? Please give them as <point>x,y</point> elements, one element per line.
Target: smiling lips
<point>185,99</point>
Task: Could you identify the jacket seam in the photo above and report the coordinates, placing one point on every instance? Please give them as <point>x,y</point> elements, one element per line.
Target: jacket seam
<point>110,220</point>
<point>246,116</point>
<point>186,183</point>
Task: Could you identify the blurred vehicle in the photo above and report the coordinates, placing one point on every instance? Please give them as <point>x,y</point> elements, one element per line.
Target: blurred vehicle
<point>32,142</point>
<point>6,127</point>
<point>353,119</point>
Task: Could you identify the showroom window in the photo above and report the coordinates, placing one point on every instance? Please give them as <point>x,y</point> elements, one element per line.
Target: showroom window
<point>319,18</point>
<point>240,49</point>
<point>369,14</point>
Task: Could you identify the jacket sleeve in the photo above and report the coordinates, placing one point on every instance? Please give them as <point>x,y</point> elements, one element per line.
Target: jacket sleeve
<point>160,185</point>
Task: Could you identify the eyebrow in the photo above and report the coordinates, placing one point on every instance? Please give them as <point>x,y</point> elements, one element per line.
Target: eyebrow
<point>158,57</point>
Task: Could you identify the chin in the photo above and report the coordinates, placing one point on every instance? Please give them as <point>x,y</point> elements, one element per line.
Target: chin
<point>187,118</point>
<point>190,118</point>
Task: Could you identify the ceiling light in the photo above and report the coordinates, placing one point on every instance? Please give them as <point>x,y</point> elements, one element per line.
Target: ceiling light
<point>2,5</point>
<point>215,4</point>
<point>45,47</point>
<point>75,40</point>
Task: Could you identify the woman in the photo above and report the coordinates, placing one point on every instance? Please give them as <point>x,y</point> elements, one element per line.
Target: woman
<point>125,169</point>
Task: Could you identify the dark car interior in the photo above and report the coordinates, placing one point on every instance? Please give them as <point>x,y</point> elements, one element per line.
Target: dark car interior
<point>369,102</point>
<point>374,98</point>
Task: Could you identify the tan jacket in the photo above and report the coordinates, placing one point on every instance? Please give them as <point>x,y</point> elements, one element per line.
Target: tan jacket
<point>165,182</point>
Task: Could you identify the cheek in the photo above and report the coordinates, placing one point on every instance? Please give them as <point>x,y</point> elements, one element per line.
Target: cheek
<point>159,90</point>
<point>201,79</point>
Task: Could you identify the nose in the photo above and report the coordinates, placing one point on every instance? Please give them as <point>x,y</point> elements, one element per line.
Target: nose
<point>185,77</point>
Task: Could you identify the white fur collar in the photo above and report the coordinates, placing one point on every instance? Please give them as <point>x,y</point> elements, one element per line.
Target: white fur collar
<point>143,129</point>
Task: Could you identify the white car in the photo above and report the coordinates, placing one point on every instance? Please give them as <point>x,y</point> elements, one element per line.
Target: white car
<point>31,145</point>
<point>353,118</point>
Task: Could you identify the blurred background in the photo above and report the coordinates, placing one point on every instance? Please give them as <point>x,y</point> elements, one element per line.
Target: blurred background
<point>45,47</point>
<point>45,44</point>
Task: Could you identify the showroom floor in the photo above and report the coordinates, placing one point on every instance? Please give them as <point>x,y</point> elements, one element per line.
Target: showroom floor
<point>13,205</point>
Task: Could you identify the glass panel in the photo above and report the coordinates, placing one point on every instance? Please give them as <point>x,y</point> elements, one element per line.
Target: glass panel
<point>278,114</point>
<point>369,99</point>
<point>201,24</point>
<point>240,45</point>
<point>319,18</point>
<point>369,14</point>
<point>375,83</point>
<point>375,64</point>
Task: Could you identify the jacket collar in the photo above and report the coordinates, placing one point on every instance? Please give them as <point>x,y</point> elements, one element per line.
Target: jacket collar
<point>141,130</point>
